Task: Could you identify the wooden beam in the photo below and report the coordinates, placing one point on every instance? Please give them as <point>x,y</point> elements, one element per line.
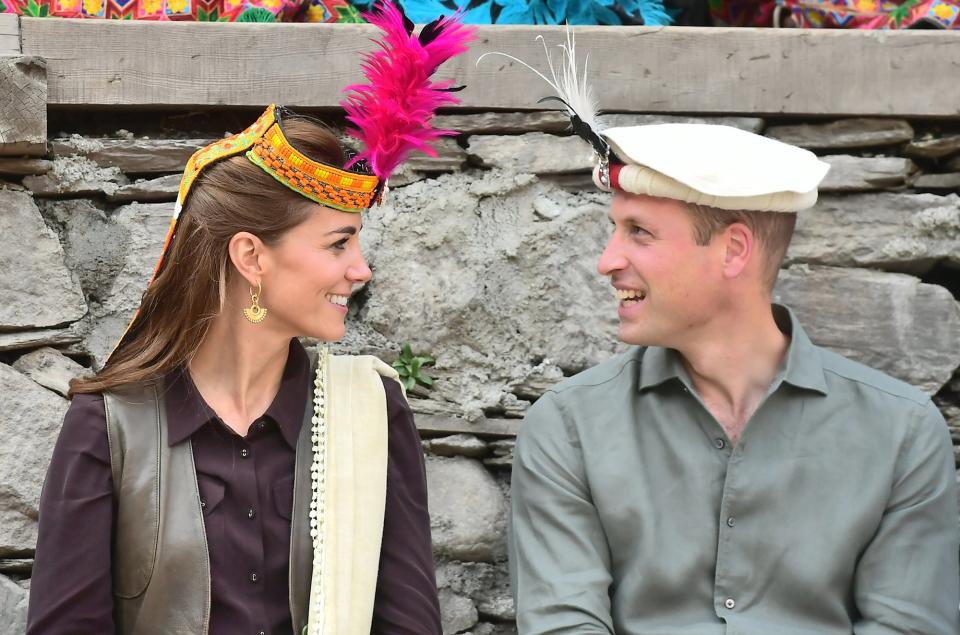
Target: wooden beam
<point>638,69</point>
<point>9,34</point>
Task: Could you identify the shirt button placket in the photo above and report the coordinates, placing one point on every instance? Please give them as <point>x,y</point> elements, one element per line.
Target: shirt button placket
<point>730,551</point>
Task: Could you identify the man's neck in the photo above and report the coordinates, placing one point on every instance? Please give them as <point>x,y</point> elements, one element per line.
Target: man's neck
<point>733,363</point>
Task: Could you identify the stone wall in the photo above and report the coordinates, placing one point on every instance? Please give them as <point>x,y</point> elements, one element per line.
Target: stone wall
<point>483,257</point>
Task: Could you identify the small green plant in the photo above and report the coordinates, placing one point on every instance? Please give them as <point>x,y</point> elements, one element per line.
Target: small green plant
<point>410,368</point>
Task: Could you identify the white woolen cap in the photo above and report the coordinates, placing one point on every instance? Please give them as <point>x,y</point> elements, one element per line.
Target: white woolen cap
<point>712,165</point>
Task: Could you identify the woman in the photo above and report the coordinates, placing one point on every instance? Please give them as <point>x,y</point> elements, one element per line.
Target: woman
<point>212,478</point>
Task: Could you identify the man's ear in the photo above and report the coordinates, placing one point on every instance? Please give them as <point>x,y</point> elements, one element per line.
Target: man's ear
<point>739,247</point>
<point>247,253</point>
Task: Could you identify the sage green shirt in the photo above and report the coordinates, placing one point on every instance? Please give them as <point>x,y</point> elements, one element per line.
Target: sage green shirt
<point>836,512</point>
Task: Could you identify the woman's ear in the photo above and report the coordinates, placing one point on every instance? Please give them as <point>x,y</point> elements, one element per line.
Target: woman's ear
<point>248,255</point>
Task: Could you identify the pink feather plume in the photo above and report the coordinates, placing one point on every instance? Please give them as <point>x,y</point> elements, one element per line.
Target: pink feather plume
<point>391,113</point>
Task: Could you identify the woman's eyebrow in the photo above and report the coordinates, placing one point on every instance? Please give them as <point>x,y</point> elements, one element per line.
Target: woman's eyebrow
<point>346,229</point>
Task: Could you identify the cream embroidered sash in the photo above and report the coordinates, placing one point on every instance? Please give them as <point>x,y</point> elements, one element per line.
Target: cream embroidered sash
<point>349,477</point>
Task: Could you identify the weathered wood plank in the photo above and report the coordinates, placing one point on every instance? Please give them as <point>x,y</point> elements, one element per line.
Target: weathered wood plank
<point>638,69</point>
<point>9,34</point>
<point>23,106</point>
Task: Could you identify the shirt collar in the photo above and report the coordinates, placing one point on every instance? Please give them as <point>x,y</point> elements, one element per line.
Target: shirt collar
<point>802,368</point>
<point>187,411</point>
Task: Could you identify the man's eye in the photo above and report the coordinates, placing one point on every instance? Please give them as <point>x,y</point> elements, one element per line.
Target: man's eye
<point>639,231</point>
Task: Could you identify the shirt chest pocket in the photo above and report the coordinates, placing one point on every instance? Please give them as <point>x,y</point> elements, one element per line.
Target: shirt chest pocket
<point>283,497</point>
<point>212,491</point>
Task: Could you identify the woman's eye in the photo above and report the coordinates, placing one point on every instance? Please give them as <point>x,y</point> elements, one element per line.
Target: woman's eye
<point>340,244</point>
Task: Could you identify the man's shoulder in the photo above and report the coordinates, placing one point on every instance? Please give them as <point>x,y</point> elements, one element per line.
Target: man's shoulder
<point>614,373</point>
<point>594,391</point>
<point>601,385</point>
<point>870,382</point>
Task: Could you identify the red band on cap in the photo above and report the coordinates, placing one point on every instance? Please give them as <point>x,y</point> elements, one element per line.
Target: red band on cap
<point>615,175</point>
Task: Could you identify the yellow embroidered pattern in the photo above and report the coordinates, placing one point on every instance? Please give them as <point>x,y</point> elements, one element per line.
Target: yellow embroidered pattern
<point>325,184</point>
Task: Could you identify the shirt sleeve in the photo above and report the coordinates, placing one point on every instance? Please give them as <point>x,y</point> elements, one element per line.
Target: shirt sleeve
<point>908,578</point>
<point>559,558</point>
<point>406,600</point>
<point>71,591</point>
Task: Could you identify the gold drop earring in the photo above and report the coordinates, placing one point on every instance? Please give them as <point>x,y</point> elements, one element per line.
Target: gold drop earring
<point>255,313</point>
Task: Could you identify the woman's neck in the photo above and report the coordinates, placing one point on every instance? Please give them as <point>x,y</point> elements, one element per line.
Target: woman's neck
<point>238,368</point>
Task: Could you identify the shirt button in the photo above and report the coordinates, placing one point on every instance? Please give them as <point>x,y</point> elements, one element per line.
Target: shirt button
<point>251,514</point>
<point>730,604</point>
<point>259,427</point>
<point>203,504</point>
<point>731,521</point>
<point>720,443</point>
<point>244,453</point>
<point>261,632</point>
<point>254,577</point>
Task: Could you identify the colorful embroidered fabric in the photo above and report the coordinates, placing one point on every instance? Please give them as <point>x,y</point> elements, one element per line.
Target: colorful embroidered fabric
<point>222,149</point>
<point>189,10</point>
<point>325,184</point>
<point>839,14</point>
<point>741,12</point>
<point>874,14</point>
<point>614,12</point>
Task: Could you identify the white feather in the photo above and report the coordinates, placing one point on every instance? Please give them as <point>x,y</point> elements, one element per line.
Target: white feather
<point>570,86</point>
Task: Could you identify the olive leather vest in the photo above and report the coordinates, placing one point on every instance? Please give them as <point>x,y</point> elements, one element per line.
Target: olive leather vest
<point>161,566</point>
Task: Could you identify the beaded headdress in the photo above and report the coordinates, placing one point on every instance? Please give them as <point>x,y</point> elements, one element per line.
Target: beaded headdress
<point>389,115</point>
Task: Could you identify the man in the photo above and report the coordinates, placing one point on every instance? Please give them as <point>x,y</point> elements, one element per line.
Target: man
<point>726,475</point>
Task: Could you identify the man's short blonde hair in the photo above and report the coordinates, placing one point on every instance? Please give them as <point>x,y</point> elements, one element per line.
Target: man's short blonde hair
<point>773,231</point>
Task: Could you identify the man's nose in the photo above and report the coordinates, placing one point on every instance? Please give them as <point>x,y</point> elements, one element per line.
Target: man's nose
<point>611,259</point>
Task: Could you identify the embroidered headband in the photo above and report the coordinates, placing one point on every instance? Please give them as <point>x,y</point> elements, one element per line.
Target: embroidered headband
<point>264,144</point>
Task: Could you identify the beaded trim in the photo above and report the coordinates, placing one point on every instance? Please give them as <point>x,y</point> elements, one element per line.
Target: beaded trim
<point>318,469</point>
<point>322,183</point>
<point>234,144</point>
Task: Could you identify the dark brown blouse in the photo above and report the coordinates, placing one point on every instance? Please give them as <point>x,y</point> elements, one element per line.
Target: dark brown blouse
<point>246,491</point>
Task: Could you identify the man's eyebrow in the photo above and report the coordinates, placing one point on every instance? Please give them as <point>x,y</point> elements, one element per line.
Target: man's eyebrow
<point>633,219</point>
<point>346,229</point>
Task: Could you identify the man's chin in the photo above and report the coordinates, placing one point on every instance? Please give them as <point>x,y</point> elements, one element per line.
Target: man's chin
<point>631,334</point>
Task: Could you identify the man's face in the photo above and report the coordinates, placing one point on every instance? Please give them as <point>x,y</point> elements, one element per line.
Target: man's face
<point>667,286</point>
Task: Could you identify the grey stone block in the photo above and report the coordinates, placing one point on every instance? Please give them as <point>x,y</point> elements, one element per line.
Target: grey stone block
<point>889,321</point>
<point>38,290</point>
<point>845,133</point>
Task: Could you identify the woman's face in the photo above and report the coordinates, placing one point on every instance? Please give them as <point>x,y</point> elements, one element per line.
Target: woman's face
<point>311,274</point>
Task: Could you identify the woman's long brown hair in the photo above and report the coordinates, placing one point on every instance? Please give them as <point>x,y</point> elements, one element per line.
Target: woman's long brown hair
<point>231,196</point>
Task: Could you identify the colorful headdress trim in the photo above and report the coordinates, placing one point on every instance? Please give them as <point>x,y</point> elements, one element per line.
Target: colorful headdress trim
<point>222,149</point>
<point>325,184</point>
